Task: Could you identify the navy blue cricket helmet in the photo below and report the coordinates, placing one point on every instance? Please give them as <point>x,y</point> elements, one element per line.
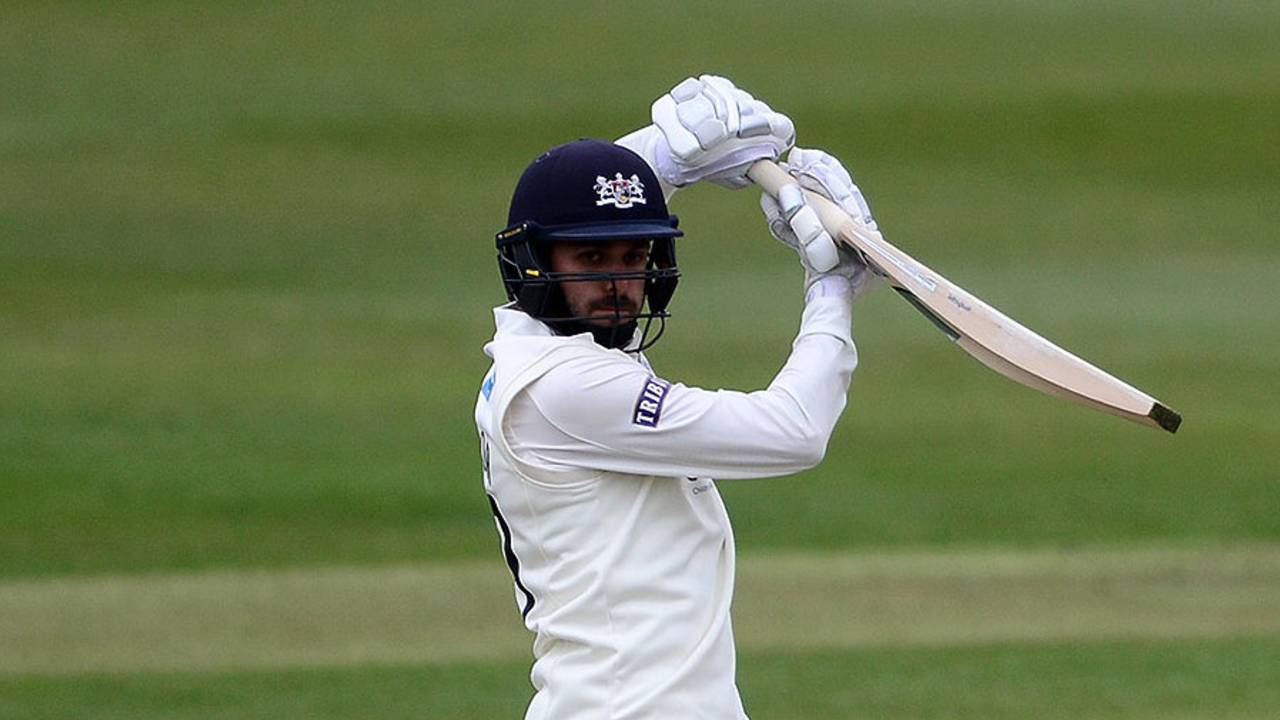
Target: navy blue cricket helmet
<point>588,191</point>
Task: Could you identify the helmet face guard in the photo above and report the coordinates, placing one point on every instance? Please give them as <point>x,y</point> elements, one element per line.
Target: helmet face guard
<point>539,291</point>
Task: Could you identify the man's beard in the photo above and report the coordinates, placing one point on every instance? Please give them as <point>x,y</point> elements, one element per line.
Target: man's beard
<point>611,336</point>
<point>621,325</point>
<point>616,335</point>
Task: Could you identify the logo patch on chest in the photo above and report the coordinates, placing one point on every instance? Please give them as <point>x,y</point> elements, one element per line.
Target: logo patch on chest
<point>649,404</point>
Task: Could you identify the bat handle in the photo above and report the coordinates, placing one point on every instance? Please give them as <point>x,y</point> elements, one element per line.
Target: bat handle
<point>772,178</point>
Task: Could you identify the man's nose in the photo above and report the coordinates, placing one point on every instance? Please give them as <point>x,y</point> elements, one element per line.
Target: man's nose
<point>618,267</point>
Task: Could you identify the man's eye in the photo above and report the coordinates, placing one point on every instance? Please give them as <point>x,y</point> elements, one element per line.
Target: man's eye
<point>591,257</point>
<point>637,258</point>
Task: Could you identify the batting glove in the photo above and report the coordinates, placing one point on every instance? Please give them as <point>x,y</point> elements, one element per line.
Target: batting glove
<point>796,225</point>
<point>822,173</point>
<point>711,130</point>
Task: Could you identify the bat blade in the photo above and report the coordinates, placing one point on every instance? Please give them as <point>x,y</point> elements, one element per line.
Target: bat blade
<point>990,336</point>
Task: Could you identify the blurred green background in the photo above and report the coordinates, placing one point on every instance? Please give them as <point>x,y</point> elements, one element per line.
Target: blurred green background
<point>246,268</point>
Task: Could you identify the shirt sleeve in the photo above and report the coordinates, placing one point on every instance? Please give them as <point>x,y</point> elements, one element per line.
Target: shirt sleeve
<point>609,413</point>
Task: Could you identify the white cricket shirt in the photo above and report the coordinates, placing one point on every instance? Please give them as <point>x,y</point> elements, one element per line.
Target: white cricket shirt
<point>599,473</point>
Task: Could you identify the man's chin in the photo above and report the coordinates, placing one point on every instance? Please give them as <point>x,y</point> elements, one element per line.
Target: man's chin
<point>604,324</point>
<point>611,320</point>
<point>608,331</point>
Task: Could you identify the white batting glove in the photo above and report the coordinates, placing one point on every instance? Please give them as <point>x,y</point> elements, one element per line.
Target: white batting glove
<point>822,173</point>
<point>796,225</point>
<point>713,131</point>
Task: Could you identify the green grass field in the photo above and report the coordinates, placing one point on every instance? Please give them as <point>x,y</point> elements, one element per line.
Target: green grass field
<point>245,273</point>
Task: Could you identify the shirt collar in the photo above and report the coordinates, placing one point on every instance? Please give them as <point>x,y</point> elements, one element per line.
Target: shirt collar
<point>510,320</point>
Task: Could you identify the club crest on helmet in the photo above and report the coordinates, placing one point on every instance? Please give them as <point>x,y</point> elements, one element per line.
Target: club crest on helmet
<point>620,192</point>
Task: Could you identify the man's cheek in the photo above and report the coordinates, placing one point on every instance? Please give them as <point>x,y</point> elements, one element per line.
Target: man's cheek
<point>635,290</point>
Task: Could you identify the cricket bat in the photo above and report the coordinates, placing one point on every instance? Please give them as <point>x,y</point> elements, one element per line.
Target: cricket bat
<point>984,332</point>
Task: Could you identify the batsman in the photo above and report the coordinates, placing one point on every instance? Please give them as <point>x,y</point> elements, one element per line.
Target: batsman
<point>600,471</point>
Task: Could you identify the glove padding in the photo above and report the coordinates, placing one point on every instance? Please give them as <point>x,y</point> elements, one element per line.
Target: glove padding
<point>822,173</point>
<point>714,131</point>
<point>796,225</point>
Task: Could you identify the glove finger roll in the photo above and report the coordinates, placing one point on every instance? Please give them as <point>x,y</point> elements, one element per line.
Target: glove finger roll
<point>688,89</point>
<point>683,144</point>
<point>721,92</point>
<point>693,113</point>
<point>819,248</point>
<point>754,126</point>
<point>708,131</point>
<point>822,253</point>
<point>790,199</point>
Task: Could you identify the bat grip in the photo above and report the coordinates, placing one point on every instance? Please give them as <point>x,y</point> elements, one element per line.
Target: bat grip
<point>772,178</point>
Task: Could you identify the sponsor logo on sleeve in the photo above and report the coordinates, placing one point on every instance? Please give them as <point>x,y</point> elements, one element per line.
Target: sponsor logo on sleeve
<point>649,404</point>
